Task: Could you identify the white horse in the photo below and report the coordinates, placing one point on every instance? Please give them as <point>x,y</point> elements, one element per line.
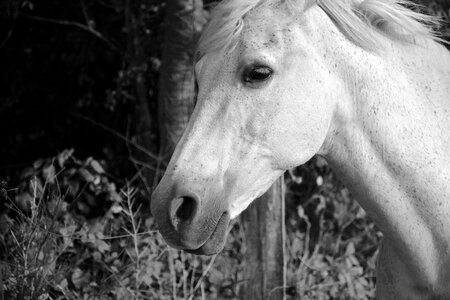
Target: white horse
<point>364,84</point>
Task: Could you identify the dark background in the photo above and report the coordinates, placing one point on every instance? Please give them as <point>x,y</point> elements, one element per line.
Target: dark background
<point>66,69</point>
<point>71,78</point>
<point>66,72</point>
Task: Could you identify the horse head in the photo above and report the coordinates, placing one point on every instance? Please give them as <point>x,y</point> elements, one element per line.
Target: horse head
<point>265,105</point>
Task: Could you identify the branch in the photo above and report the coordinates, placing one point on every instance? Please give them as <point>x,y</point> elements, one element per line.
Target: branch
<point>8,35</point>
<point>85,14</point>
<point>120,136</point>
<point>75,24</point>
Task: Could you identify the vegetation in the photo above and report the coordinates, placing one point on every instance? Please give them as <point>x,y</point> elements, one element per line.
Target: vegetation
<point>77,224</point>
<point>59,242</point>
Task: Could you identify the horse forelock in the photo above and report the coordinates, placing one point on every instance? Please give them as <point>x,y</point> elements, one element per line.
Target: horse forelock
<point>225,25</point>
<point>364,22</point>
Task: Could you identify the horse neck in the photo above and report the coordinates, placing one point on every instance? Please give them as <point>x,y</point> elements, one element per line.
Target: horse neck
<point>389,140</point>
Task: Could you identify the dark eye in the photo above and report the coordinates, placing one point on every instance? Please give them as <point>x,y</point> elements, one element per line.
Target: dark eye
<point>255,75</point>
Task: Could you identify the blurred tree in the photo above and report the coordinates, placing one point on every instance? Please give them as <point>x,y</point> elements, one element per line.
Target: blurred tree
<point>138,61</point>
<point>184,20</point>
<point>59,61</point>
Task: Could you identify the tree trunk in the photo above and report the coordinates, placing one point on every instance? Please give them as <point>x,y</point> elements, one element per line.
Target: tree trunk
<point>264,221</point>
<point>136,59</point>
<point>265,239</point>
<point>184,20</point>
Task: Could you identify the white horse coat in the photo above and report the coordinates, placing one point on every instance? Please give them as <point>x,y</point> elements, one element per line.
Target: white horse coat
<point>364,85</point>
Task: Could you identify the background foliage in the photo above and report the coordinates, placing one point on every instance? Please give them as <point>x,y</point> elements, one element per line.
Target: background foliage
<point>76,225</point>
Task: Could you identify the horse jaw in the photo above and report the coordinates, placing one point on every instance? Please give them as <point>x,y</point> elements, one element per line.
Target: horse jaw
<point>240,203</point>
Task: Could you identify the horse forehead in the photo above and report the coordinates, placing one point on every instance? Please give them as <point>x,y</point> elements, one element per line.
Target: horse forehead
<point>267,27</point>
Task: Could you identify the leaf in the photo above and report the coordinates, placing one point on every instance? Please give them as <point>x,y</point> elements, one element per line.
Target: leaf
<point>319,180</point>
<point>350,250</point>
<point>353,260</point>
<point>295,178</point>
<point>123,293</point>
<point>111,187</point>
<point>297,245</point>
<point>361,214</point>
<point>116,209</point>
<point>38,163</point>
<point>86,175</point>
<point>102,246</point>
<point>67,234</point>
<point>63,284</point>
<point>24,201</point>
<point>44,296</point>
<point>97,180</point>
<point>27,173</point>
<point>356,271</point>
<point>301,213</point>
<point>49,173</point>
<point>321,162</point>
<point>97,256</point>
<point>322,204</point>
<point>57,208</point>
<point>5,225</point>
<point>79,278</point>
<point>64,156</point>
<point>115,197</point>
<point>97,167</point>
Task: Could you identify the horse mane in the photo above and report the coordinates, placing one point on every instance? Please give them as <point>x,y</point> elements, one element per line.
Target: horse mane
<point>362,22</point>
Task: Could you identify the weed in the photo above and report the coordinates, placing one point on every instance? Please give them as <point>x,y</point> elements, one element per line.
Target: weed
<point>53,245</point>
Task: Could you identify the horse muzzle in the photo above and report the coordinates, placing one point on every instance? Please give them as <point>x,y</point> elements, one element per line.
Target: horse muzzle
<point>187,223</point>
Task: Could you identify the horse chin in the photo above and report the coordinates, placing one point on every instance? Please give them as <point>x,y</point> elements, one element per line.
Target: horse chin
<point>216,241</point>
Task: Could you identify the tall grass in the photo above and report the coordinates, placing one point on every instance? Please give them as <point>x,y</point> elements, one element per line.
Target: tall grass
<point>49,250</point>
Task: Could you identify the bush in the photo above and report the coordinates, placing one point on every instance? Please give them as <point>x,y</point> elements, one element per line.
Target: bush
<point>56,243</point>
<point>331,244</point>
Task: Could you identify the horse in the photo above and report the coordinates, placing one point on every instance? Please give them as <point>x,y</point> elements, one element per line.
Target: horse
<point>364,84</point>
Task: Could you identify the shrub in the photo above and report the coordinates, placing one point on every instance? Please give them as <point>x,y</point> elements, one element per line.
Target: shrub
<point>67,232</point>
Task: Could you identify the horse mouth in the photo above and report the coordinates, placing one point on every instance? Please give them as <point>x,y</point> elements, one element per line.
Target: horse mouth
<point>215,243</point>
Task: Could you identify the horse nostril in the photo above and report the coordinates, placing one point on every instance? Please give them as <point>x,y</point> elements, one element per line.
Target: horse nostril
<point>182,209</point>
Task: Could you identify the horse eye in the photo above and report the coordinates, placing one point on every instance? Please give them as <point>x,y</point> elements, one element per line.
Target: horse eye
<point>257,74</point>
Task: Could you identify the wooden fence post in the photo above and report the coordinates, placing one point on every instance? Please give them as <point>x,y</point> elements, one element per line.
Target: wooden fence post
<point>265,239</point>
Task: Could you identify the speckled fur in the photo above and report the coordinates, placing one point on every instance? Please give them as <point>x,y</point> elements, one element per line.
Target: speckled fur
<point>380,118</point>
